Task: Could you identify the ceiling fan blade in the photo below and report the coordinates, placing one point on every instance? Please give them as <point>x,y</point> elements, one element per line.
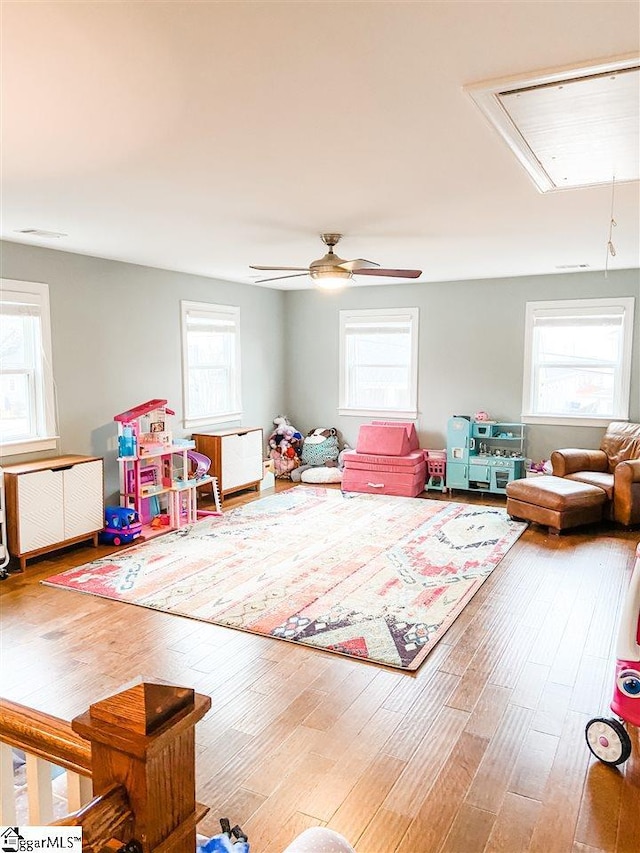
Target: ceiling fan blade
<point>359,264</point>
<point>390,273</point>
<point>280,277</point>
<point>297,269</point>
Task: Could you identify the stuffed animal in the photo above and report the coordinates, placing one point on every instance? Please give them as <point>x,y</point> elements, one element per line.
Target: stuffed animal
<point>285,443</point>
<point>320,447</point>
<point>319,455</point>
<point>331,472</point>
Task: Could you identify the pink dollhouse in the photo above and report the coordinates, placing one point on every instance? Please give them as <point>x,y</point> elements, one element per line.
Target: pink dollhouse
<point>155,475</point>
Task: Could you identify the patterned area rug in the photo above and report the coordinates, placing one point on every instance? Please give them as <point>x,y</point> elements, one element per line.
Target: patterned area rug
<point>375,577</point>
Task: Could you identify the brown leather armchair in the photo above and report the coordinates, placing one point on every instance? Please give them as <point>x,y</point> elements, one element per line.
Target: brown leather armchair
<point>615,468</point>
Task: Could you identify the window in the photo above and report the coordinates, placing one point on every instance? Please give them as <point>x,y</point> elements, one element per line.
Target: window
<point>27,399</point>
<point>379,362</point>
<point>577,365</point>
<point>210,363</point>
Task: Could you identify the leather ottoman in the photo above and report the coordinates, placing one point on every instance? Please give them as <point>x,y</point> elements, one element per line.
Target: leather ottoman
<point>555,501</point>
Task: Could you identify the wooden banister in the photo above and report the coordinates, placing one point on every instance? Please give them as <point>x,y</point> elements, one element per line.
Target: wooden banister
<point>104,818</point>
<point>138,747</point>
<point>144,739</point>
<point>44,735</point>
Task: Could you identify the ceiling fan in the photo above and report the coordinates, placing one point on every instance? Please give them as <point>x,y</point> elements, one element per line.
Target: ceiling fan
<point>331,271</point>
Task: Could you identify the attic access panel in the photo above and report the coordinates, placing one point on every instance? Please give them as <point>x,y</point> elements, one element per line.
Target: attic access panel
<point>570,128</point>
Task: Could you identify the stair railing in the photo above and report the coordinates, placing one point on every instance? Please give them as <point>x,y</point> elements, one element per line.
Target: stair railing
<point>135,750</point>
<point>47,742</point>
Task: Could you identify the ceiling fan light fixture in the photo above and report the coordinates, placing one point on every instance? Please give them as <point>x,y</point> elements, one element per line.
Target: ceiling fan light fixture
<point>330,272</point>
<point>331,279</point>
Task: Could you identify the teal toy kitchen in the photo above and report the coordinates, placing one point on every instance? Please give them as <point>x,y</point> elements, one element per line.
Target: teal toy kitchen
<point>484,455</point>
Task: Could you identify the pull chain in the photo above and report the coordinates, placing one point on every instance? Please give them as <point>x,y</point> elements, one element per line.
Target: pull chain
<point>611,249</point>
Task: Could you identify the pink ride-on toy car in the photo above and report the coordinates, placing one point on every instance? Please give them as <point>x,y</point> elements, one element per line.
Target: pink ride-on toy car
<point>608,739</point>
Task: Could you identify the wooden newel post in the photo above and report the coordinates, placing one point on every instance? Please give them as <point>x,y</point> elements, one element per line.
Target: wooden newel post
<point>144,739</point>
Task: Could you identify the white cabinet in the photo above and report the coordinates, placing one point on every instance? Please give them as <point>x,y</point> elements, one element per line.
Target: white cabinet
<point>236,457</point>
<point>40,519</point>
<point>241,459</point>
<point>52,503</point>
<point>83,499</point>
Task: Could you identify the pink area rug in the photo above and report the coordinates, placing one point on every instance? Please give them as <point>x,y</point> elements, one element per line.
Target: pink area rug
<point>375,577</point>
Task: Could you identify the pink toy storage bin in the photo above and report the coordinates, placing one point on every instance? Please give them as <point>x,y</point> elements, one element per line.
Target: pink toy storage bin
<point>386,461</point>
<point>383,482</point>
<point>378,462</point>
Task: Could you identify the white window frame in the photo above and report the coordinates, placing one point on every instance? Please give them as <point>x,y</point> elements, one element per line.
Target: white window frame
<point>380,315</point>
<point>214,311</point>
<point>624,306</point>
<point>35,294</point>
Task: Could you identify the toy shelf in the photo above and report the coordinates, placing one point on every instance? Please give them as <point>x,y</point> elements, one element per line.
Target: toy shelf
<point>498,432</point>
<point>180,485</point>
<point>150,491</point>
<point>155,453</point>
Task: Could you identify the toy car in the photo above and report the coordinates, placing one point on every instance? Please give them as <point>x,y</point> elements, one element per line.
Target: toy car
<point>608,738</point>
<point>121,524</point>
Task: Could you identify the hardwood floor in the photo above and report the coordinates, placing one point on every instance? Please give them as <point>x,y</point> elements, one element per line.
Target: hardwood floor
<point>482,750</point>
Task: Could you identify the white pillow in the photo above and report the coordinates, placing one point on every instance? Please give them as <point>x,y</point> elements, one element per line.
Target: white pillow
<point>321,474</point>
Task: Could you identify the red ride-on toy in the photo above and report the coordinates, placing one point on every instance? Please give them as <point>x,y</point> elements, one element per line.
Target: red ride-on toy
<point>608,739</point>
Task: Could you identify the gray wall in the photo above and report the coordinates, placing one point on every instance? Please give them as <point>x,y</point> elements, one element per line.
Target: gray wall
<point>117,342</point>
<point>471,351</point>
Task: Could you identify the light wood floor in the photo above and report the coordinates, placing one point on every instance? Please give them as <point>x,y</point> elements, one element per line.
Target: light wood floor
<point>482,750</point>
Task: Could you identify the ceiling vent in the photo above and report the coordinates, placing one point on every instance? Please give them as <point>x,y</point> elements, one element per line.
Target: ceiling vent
<point>572,266</point>
<point>39,232</point>
<point>572,127</point>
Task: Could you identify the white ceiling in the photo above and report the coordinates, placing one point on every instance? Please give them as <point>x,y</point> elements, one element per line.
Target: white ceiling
<point>206,136</point>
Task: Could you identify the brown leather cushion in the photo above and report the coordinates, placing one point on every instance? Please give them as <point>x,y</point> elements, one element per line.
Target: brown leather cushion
<point>594,478</point>
<point>620,442</point>
<point>556,493</point>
